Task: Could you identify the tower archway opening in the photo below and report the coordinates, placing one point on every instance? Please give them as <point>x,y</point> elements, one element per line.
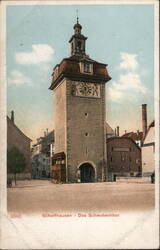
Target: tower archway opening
<point>87,173</point>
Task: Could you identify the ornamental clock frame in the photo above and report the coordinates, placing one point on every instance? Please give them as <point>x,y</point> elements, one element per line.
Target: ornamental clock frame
<point>86,89</point>
<point>80,137</point>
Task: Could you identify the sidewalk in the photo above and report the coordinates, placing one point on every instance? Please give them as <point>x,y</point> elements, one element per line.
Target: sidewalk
<point>133,180</point>
<point>30,183</point>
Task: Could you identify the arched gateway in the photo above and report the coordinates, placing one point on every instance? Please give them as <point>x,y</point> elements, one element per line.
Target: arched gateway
<point>87,173</point>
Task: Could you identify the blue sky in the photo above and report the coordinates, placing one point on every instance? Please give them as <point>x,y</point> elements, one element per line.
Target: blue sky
<point>121,36</point>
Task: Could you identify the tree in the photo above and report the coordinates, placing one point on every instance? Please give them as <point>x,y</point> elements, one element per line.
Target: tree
<point>15,161</point>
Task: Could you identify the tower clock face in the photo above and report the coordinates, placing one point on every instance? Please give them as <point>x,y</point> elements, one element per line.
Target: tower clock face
<point>84,89</point>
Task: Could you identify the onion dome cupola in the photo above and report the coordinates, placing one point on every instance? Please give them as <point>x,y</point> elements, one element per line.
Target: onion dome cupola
<point>77,41</point>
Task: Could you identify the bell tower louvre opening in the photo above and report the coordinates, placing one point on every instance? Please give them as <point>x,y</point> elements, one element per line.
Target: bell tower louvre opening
<point>87,173</point>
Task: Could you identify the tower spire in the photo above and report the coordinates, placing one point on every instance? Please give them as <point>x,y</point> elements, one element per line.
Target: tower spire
<point>77,41</point>
<point>77,16</point>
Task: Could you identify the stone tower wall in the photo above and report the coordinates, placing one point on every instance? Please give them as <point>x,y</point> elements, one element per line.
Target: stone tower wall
<point>82,148</point>
<point>60,117</point>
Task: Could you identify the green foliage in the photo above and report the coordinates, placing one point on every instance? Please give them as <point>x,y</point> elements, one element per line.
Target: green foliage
<point>15,161</point>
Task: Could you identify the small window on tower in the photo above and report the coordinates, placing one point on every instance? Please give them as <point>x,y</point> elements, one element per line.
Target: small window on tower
<point>79,44</point>
<point>86,67</point>
<point>72,47</point>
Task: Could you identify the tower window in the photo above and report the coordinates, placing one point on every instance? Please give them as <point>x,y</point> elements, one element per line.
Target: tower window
<point>72,47</point>
<point>86,67</point>
<point>86,114</point>
<point>79,44</point>
<point>86,134</point>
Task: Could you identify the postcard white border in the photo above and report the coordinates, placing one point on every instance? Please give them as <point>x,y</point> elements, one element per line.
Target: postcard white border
<point>3,131</point>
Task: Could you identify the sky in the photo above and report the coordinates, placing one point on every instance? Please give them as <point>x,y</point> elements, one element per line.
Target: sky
<point>121,36</point>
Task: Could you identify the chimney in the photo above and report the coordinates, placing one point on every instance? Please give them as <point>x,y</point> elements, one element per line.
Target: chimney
<point>117,130</point>
<point>125,131</point>
<point>137,132</point>
<point>47,131</point>
<point>44,133</point>
<point>144,119</point>
<point>12,116</point>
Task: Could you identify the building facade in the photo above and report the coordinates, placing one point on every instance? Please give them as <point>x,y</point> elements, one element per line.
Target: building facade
<point>42,152</point>
<point>123,157</point>
<point>148,151</point>
<point>80,134</point>
<point>15,137</point>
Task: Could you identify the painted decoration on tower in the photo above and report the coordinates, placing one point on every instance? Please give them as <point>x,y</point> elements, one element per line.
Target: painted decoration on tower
<point>84,89</point>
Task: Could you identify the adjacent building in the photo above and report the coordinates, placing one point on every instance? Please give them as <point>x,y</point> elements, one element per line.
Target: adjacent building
<point>132,154</point>
<point>148,151</point>
<point>15,137</point>
<point>123,158</point>
<point>148,144</point>
<point>42,153</point>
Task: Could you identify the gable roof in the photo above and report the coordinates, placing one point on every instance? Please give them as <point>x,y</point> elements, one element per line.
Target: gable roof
<point>123,138</point>
<point>151,125</point>
<point>15,127</point>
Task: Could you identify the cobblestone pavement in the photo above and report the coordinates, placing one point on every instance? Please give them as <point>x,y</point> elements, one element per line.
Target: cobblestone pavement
<point>40,196</point>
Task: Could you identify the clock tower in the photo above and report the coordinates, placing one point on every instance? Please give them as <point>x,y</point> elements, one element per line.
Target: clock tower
<point>78,83</point>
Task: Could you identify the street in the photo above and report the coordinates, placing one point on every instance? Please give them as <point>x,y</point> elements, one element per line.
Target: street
<point>41,196</point>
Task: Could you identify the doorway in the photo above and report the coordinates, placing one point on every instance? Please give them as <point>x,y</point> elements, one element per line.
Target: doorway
<point>87,173</point>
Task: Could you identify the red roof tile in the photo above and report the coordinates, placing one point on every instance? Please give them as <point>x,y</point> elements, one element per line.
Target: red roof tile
<point>135,136</point>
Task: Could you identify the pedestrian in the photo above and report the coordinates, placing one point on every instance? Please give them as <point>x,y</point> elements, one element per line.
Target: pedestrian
<point>9,182</point>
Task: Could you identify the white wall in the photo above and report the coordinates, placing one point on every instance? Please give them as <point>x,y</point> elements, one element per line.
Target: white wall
<point>148,163</point>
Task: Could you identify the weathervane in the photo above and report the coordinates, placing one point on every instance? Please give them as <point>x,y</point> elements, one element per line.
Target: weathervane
<point>77,15</point>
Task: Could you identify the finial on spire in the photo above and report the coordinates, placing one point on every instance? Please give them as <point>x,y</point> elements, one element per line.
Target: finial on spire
<point>77,16</point>
<point>77,27</point>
